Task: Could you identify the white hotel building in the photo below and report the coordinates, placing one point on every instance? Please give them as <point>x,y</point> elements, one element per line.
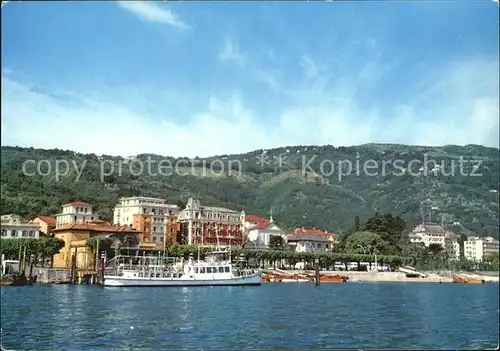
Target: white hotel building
<point>477,248</point>
<point>436,234</point>
<point>75,212</point>
<point>158,209</point>
<point>12,227</point>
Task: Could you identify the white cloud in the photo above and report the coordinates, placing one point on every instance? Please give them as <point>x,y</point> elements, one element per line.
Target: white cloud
<point>311,68</point>
<point>230,52</point>
<point>153,13</point>
<point>462,108</point>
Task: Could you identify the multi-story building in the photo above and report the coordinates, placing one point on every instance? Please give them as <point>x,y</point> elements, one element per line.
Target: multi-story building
<point>332,238</point>
<point>12,227</point>
<point>308,243</point>
<point>46,224</point>
<point>428,234</point>
<point>259,236</point>
<point>205,225</point>
<point>477,248</point>
<point>172,228</point>
<point>147,214</point>
<point>75,212</point>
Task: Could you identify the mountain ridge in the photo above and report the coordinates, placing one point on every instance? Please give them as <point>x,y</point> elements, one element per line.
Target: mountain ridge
<point>299,197</point>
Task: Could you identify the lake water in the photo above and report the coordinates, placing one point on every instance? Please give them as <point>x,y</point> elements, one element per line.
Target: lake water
<point>298,316</point>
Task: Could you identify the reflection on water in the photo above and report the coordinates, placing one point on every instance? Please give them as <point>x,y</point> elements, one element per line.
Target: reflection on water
<point>271,316</point>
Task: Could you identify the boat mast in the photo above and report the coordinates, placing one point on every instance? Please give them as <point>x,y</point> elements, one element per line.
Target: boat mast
<point>198,239</point>
<point>217,236</point>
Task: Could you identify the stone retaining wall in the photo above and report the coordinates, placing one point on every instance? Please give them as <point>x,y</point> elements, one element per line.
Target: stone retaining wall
<point>52,275</point>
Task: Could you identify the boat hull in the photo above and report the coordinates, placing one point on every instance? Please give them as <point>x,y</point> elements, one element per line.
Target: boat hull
<point>14,281</point>
<point>118,281</point>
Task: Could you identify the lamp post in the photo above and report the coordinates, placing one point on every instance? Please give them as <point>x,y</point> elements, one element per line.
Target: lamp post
<point>316,267</point>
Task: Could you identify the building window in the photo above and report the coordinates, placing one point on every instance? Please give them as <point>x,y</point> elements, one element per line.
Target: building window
<point>154,238</point>
<point>4,232</point>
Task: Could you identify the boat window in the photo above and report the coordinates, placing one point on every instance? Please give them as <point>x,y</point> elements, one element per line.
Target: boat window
<point>221,269</point>
<point>140,275</point>
<point>226,269</point>
<point>152,275</point>
<point>157,275</point>
<point>202,269</point>
<point>209,269</point>
<point>196,269</point>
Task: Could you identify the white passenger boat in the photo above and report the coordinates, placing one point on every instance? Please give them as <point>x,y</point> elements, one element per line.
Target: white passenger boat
<point>215,269</point>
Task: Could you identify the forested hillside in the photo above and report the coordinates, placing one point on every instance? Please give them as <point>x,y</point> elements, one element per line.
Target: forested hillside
<point>297,183</point>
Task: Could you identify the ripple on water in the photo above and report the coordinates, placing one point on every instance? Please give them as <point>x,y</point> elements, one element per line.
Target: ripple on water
<point>271,316</point>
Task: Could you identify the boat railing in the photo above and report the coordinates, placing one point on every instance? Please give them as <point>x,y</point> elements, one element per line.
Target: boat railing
<point>244,272</point>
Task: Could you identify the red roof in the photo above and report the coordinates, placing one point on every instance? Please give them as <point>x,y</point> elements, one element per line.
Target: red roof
<point>254,218</point>
<point>98,228</point>
<point>47,219</point>
<point>77,203</point>
<point>300,231</point>
<point>261,225</point>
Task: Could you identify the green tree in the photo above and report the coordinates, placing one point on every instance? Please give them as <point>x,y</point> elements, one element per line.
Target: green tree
<point>105,244</point>
<point>365,243</point>
<point>357,225</point>
<point>493,260</point>
<point>276,242</point>
<point>130,240</point>
<point>415,254</point>
<point>390,228</point>
<point>435,249</point>
<point>36,249</point>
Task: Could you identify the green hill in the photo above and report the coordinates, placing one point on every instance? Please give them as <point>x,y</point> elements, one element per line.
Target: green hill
<point>301,190</point>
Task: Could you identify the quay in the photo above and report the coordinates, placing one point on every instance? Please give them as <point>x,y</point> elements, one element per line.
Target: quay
<point>381,277</point>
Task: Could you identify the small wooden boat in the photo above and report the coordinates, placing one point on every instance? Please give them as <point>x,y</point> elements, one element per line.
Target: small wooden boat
<point>460,280</point>
<point>333,279</point>
<point>14,280</point>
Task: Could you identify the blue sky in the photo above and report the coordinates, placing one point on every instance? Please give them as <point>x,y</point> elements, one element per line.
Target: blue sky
<point>199,79</point>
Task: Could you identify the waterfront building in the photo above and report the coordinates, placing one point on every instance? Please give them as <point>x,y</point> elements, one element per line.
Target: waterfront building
<point>259,236</point>
<point>13,227</point>
<point>252,220</point>
<point>151,216</point>
<point>430,233</point>
<point>308,243</point>
<point>46,224</point>
<point>207,225</point>
<point>477,248</point>
<point>75,212</point>
<point>172,228</point>
<point>332,238</point>
<point>75,237</point>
